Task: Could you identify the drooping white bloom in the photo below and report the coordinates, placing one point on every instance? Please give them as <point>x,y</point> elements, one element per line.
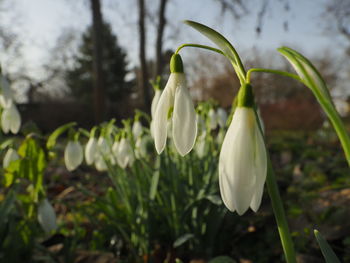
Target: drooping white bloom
<point>125,153</point>
<point>212,118</point>
<point>73,155</point>
<point>155,101</point>
<point>200,147</point>
<point>10,119</point>
<point>47,216</point>
<point>184,124</point>
<point>10,156</point>
<point>90,151</point>
<point>141,146</point>
<point>5,93</point>
<point>222,117</point>
<point>242,163</point>
<point>137,129</point>
<point>100,163</point>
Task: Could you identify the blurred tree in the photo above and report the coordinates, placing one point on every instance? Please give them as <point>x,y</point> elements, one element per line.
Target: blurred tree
<point>80,77</point>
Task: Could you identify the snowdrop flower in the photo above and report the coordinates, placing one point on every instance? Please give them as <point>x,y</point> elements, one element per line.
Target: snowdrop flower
<point>201,145</point>
<point>73,155</point>
<point>141,146</point>
<point>175,96</point>
<point>137,129</point>
<point>90,151</point>
<point>100,163</point>
<point>243,161</point>
<point>6,93</point>
<point>212,119</point>
<point>47,216</point>
<point>10,119</point>
<point>222,117</point>
<point>10,156</point>
<point>125,154</point>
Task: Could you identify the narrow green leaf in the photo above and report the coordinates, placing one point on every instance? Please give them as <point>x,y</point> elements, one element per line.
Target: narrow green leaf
<point>327,251</point>
<point>182,239</point>
<point>51,141</point>
<point>225,46</point>
<point>222,259</point>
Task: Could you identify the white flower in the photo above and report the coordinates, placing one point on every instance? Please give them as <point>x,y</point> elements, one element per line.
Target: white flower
<point>155,101</point>
<point>184,124</point>
<point>200,147</point>
<point>47,216</point>
<point>212,119</point>
<point>10,156</point>
<point>136,129</point>
<point>141,146</point>
<point>125,154</point>
<point>10,119</point>
<point>6,93</point>
<point>100,163</point>
<point>103,146</point>
<point>90,151</point>
<point>242,163</point>
<point>222,117</point>
<point>73,155</point>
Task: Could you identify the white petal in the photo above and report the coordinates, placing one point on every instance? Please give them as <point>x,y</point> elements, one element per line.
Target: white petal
<point>260,164</point>
<point>90,151</point>
<point>236,168</point>
<point>155,102</point>
<point>212,119</point>
<point>10,156</point>
<point>184,121</point>
<point>73,155</point>
<point>159,122</point>
<point>10,119</point>
<point>47,216</point>
<point>125,154</point>
<point>100,163</point>
<point>137,129</point>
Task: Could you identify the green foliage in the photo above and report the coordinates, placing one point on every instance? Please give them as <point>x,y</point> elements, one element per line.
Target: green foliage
<point>80,78</point>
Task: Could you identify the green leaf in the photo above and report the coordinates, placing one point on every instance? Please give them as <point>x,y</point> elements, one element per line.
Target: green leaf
<point>306,71</point>
<point>51,141</point>
<point>182,239</point>
<point>327,251</point>
<point>225,46</point>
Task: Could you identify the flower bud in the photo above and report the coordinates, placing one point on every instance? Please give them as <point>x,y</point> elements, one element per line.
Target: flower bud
<point>47,216</point>
<point>90,151</point>
<point>10,119</point>
<point>73,155</point>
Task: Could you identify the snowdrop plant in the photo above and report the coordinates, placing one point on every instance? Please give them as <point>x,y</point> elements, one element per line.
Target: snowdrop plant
<point>175,103</point>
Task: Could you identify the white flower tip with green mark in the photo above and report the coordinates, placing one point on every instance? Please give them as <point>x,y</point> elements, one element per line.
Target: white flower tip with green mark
<point>242,163</point>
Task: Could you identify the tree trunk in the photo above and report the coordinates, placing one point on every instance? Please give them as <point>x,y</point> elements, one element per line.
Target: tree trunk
<point>159,42</point>
<point>142,52</point>
<point>99,92</point>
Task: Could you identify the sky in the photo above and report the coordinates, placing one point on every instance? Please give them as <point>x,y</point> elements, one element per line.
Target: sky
<point>39,23</point>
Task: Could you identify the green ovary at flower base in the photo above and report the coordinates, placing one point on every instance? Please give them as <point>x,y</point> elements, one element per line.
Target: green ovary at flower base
<point>184,123</point>
<point>243,162</point>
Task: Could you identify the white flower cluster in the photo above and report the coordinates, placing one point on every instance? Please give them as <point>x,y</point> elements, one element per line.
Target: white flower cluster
<point>10,117</point>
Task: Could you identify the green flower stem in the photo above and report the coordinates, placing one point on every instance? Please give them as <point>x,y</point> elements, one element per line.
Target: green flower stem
<point>278,72</point>
<point>277,206</point>
<point>199,46</point>
<point>283,229</point>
